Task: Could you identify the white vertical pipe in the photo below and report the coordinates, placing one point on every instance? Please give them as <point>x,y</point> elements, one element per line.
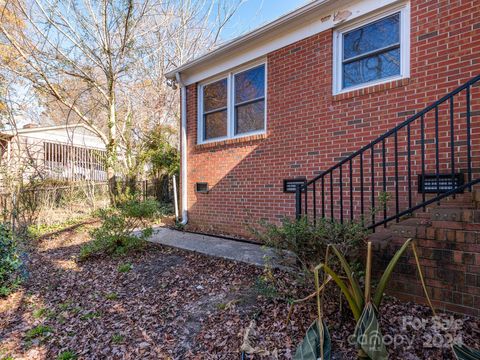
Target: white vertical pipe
<point>183,140</point>
<point>175,196</point>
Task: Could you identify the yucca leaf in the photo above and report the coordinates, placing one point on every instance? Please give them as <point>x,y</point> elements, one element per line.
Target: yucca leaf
<point>422,280</point>
<point>311,296</point>
<point>463,352</point>
<point>368,273</point>
<point>368,335</point>
<point>354,306</point>
<point>382,284</point>
<point>309,349</point>
<point>357,293</point>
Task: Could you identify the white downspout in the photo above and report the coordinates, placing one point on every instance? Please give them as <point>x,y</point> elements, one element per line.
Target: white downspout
<point>183,141</point>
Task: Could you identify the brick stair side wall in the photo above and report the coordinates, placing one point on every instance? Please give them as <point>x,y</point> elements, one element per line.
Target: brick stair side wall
<point>448,242</point>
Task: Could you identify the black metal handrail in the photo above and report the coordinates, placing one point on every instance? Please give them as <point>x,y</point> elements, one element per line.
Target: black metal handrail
<point>379,180</point>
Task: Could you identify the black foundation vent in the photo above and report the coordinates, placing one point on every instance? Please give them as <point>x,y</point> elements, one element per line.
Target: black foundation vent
<point>290,185</point>
<point>441,184</point>
<point>201,187</point>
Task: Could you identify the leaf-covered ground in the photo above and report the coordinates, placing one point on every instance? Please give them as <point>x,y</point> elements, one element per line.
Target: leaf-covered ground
<point>164,303</point>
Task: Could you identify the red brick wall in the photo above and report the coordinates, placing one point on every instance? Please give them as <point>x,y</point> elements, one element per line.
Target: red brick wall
<point>309,129</point>
<point>448,247</point>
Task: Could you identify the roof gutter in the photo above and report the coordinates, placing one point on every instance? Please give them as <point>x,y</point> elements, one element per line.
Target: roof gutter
<point>183,142</point>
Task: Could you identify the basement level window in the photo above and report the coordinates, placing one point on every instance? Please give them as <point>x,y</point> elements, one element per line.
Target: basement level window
<point>373,51</point>
<point>232,105</point>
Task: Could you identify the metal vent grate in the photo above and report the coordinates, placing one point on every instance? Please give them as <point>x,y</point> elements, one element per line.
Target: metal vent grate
<point>201,187</point>
<point>290,185</point>
<point>445,183</point>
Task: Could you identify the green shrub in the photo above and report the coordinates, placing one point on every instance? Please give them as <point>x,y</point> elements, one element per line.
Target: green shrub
<point>116,235</point>
<point>10,261</point>
<point>124,268</point>
<point>90,315</point>
<point>118,339</point>
<point>67,355</point>
<point>266,288</point>
<point>309,241</point>
<point>111,296</point>
<point>40,331</point>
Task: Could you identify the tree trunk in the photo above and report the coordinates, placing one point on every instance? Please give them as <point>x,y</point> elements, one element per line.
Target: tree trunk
<point>112,150</point>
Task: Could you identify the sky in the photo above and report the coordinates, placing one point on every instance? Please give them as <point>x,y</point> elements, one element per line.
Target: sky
<point>255,13</point>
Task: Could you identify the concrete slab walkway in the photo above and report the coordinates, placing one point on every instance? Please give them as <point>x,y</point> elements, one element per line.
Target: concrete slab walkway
<point>214,246</point>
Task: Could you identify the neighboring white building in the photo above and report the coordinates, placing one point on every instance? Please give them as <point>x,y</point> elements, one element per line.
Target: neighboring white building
<point>66,152</point>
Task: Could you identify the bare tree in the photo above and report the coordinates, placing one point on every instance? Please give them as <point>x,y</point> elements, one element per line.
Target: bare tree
<point>103,60</point>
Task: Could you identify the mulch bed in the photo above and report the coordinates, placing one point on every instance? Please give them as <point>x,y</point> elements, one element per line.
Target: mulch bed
<point>175,304</point>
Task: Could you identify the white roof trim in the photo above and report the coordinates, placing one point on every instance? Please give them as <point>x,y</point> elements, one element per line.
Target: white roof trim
<point>13,132</point>
<point>306,21</point>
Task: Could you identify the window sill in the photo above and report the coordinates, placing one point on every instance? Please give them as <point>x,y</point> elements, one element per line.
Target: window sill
<point>371,89</point>
<point>221,143</point>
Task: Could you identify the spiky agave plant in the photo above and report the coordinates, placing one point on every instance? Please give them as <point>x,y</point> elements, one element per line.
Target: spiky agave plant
<point>364,307</point>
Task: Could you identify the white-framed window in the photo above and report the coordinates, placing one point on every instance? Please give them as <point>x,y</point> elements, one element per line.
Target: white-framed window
<point>372,51</point>
<point>233,105</point>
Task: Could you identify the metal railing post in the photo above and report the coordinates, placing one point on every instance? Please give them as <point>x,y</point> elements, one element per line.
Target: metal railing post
<point>298,201</point>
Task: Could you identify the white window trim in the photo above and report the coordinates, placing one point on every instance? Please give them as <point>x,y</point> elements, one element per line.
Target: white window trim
<point>230,76</point>
<point>404,10</point>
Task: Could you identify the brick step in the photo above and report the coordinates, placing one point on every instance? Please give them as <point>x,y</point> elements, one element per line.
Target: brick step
<point>455,225</point>
<point>412,221</point>
<point>471,206</point>
<point>454,214</point>
<point>454,203</point>
<point>460,236</point>
<point>423,215</point>
<point>411,227</point>
<point>461,197</point>
<point>420,227</point>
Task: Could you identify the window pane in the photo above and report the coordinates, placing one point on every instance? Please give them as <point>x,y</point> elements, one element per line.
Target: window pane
<point>215,95</point>
<point>372,37</point>
<point>216,125</point>
<point>250,84</point>
<point>250,117</point>
<point>372,68</point>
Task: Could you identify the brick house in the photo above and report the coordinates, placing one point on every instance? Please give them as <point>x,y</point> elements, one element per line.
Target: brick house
<point>371,106</point>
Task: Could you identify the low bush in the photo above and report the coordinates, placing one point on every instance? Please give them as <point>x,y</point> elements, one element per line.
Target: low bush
<point>124,268</point>
<point>67,355</point>
<point>39,331</point>
<point>124,228</point>
<point>10,261</point>
<point>308,241</point>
